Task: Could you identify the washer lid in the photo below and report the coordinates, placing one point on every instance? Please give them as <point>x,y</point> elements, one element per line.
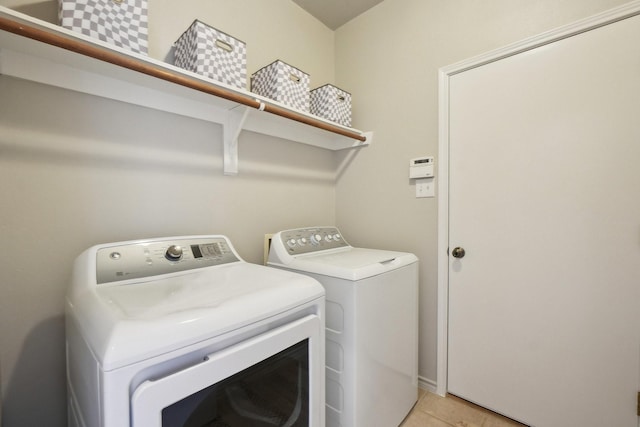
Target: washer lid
<point>348,263</point>
<point>127,323</point>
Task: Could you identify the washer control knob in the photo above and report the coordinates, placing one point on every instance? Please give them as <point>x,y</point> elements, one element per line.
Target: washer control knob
<point>337,237</point>
<point>302,241</point>
<point>316,238</point>
<point>328,238</point>
<point>173,253</point>
<point>291,242</point>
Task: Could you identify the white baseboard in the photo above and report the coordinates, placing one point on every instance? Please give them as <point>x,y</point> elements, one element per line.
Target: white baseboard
<point>427,384</point>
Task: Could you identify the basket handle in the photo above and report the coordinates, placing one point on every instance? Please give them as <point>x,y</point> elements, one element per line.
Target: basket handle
<point>294,78</point>
<point>341,98</point>
<point>222,45</point>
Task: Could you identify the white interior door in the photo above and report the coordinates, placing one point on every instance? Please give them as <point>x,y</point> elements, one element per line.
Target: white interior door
<point>544,196</point>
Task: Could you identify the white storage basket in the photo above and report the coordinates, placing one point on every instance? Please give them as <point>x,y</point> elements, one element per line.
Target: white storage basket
<point>123,23</point>
<point>331,103</point>
<point>212,53</point>
<point>283,83</point>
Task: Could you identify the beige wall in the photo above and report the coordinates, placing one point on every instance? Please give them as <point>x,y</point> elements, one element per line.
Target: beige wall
<point>389,59</point>
<point>76,170</point>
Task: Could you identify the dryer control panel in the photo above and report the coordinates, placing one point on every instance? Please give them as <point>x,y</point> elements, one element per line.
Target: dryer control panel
<point>152,258</point>
<point>305,240</point>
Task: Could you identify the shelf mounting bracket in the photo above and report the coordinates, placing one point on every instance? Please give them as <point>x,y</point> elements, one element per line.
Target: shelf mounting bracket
<point>231,131</point>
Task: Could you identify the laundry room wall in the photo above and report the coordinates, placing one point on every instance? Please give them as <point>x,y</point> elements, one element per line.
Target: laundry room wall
<point>389,58</point>
<point>78,170</point>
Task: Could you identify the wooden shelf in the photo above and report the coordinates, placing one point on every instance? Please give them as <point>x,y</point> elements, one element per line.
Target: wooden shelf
<point>38,51</point>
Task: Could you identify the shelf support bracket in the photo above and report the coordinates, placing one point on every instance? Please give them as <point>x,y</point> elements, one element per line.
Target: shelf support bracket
<point>231,131</point>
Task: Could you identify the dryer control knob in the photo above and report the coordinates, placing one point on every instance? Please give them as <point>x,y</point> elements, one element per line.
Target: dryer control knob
<point>291,242</point>
<point>336,237</point>
<point>316,238</point>
<point>302,241</point>
<point>173,253</point>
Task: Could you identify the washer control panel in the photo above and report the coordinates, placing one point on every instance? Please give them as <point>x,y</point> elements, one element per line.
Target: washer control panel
<point>152,258</point>
<point>305,240</point>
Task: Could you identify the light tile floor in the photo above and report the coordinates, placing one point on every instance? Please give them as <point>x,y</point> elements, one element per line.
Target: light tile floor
<point>435,411</point>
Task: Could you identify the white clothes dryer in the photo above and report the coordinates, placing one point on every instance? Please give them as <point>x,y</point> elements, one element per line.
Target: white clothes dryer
<point>182,332</point>
<point>371,321</point>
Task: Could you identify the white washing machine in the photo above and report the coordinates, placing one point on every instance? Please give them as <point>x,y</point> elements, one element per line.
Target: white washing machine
<point>371,321</point>
<point>182,332</point>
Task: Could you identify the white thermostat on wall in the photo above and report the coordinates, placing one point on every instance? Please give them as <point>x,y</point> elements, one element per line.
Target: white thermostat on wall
<point>421,167</point>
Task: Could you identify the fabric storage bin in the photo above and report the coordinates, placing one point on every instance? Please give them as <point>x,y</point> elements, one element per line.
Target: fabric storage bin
<point>331,103</point>
<point>122,23</point>
<point>283,83</point>
<point>210,52</point>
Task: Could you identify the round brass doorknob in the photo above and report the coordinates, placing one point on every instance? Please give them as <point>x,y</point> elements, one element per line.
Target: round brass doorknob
<point>458,252</point>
